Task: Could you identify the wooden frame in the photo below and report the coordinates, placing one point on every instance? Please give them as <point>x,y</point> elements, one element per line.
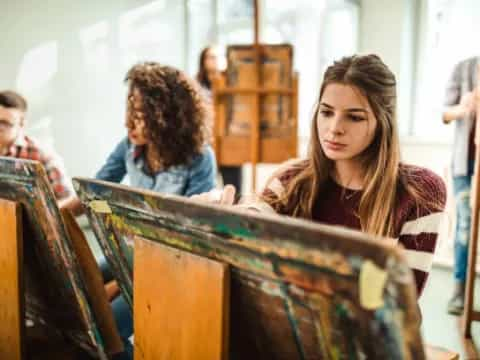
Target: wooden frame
<point>469,313</point>
<point>58,292</point>
<point>11,286</point>
<point>231,149</point>
<point>298,289</point>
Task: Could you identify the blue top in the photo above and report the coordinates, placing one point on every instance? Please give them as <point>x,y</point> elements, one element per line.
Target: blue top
<point>196,177</point>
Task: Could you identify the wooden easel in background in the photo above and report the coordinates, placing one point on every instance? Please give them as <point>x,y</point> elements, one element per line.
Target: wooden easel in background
<point>231,149</point>
<point>469,314</point>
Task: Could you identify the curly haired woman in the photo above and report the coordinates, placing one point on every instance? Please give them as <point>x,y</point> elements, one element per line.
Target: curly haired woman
<point>165,149</point>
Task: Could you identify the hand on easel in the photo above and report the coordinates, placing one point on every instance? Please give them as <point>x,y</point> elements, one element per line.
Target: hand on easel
<point>225,196</point>
<point>112,289</point>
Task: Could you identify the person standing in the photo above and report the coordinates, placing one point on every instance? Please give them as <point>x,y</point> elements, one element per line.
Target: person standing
<point>460,103</point>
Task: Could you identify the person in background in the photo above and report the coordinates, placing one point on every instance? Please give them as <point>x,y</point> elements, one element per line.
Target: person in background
<point>14,143</point>
<point>166,148</point>
<point>460,104</point>
<point>207,72</point>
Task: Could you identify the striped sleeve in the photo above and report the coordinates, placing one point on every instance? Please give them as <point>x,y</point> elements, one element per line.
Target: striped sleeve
<point>419,232</point>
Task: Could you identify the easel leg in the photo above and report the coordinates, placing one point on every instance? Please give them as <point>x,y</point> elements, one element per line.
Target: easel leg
<point>468,311</point>
<point>12,310</point>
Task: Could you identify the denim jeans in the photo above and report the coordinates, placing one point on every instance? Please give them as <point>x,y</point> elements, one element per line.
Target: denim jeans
<point>462,187</point>
<point>121,313</point>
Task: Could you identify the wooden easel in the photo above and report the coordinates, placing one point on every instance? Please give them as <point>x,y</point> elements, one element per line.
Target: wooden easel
<point>198,268</point>
<point>12,301</point>
<point>230,149</point>
<point>469,313</point>
<point>12,310</point>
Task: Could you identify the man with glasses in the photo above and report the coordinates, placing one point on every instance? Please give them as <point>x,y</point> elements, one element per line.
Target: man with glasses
<point>14,143</point>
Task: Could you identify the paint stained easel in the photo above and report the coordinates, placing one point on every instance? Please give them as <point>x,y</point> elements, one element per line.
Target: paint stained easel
<point>298,290</point>
<point>56,295</point>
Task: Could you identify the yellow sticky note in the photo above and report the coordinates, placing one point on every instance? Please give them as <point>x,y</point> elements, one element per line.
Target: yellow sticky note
<point>372,282</point>
<point>100,206</point>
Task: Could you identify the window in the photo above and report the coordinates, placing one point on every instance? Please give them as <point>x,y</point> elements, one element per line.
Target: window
<point>449,26</point>
<point>321,32</point>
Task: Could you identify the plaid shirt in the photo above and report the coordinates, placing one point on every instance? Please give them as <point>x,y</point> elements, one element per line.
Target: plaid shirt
<point>26,148</point>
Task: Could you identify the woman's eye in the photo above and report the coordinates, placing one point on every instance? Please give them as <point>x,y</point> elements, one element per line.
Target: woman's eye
<point>356,118</point>
<point>326,113</point>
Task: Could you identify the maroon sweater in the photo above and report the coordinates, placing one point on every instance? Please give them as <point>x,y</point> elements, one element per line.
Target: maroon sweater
<point>416,226</point>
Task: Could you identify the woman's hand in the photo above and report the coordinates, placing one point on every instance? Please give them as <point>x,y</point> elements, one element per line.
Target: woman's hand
<point>225,196</point>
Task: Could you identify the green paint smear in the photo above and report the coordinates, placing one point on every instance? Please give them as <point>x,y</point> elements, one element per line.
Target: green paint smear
<point>235,231</point>
<point>342,311</point>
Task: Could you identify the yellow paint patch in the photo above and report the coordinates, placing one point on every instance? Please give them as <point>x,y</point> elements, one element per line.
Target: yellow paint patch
<point>100,206</point>
<point>371,284</point>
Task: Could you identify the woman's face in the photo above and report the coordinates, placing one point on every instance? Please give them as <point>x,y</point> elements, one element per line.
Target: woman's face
<point>211,60</point>
<point>135,122</point>
<point>346,124</point>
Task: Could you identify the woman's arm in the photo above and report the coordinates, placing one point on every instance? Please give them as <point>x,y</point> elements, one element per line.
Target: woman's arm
<point>115,169</point>
<point>202,174</point>
<point>420,230</point>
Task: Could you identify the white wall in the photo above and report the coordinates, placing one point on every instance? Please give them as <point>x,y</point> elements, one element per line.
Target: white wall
<point>70,57</point>
<point>388,29</point>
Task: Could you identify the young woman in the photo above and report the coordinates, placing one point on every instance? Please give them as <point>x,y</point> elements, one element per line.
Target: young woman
<point>165,150</point>
<point>207,68</point>
<point>207,72</point>
<point>353,176</point>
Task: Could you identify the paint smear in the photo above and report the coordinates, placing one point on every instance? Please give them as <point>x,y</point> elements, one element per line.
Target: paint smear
<point>100,206</point>
<point>371,283</point>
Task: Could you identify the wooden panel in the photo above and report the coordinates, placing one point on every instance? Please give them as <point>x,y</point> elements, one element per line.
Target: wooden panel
<point>11,282</point>
<point>233,150</point>
<point>438,353</point>
<point>180,304</point>
<point>252,69</point>
<point>245,90</point>
<point>96,293</point>
<point>475,221</point>
<point>475,315</point>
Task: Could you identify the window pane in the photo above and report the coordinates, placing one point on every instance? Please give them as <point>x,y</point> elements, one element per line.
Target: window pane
<point>320,31</point>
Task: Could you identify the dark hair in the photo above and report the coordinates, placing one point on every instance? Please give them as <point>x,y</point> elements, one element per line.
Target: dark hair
<point>202,75</point>
<point>11,99</point>
<point>175,112</point>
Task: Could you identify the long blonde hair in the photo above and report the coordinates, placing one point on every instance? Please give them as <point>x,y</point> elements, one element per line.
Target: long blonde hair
<point>381,159</point>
